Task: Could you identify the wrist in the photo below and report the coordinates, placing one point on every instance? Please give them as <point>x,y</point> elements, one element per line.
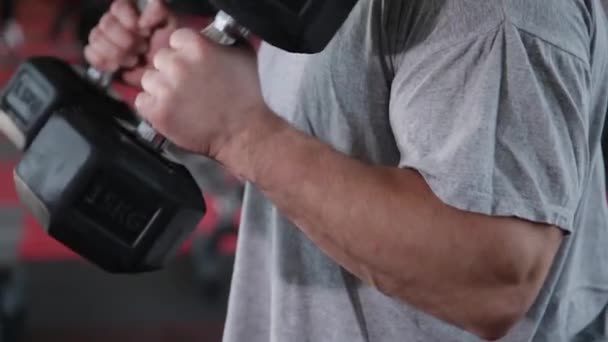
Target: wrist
<point>244,153</point>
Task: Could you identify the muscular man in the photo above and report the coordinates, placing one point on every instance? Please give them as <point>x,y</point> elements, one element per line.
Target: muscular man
<point>435,174</point>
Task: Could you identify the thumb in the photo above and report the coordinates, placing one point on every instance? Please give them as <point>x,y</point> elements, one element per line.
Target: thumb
<point>155,14</point>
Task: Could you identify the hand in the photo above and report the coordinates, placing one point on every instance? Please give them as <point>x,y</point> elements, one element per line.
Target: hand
<point>202,96</point>
<point>125,40</point>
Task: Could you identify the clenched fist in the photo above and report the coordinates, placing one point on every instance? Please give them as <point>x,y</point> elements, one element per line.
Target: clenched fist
<point>202,96</point>
<point>125,41</point>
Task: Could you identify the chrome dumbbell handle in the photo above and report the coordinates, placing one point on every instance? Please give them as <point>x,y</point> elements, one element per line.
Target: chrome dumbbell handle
<point>224,30</point>
<point>103,80</point>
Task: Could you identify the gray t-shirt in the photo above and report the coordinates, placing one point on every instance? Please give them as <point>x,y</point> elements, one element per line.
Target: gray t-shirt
<point>500,105</point>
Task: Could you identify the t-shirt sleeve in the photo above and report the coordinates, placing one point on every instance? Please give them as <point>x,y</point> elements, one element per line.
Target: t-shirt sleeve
<point>497,124</point>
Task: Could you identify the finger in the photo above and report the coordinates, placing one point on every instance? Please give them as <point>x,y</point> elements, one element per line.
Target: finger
<point>96,59</point>
<point>155,84</point>
<point>104,62</point>
<point>126,14</point>
<point>99,59</point>
<point>155,14</point>
<point>144,103</point>
<point>186,39</point>
<point>118,34</point>
<point>108,50</point>
<point>172,65</point>
<point>163,59</point>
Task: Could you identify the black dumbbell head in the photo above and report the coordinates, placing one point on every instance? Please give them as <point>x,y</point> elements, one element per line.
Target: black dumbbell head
<point>193,7</point>
<point>94,188</point>
<point>300,26</point>
<point>42,85</point>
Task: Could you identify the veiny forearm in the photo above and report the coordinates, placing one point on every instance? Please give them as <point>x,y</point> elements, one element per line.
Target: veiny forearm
<point>386,226</point>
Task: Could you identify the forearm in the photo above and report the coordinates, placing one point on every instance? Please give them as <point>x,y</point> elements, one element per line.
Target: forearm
<point>383,224</point>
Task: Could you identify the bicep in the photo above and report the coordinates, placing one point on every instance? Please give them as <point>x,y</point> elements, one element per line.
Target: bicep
<point>526,249</point>
<point>497,126</point>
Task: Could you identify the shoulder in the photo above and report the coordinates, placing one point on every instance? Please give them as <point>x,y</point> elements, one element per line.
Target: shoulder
<point>565,24</point>
<point>439,24</point>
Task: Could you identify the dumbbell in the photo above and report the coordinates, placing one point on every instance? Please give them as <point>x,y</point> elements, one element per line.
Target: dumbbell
<point>299,26</point>
<point>42,85</point>
<point>105,194</point>
<point>106,191</point>
<point>93,180</point>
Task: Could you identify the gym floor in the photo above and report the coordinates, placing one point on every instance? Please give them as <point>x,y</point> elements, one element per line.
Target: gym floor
<point>69,300</point>
<point>74,302</point>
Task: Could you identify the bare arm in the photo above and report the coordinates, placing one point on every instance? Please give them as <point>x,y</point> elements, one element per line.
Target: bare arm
<point>387,227</point>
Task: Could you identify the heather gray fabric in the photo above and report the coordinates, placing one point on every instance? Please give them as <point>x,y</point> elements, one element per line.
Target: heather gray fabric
<point>499,105</point>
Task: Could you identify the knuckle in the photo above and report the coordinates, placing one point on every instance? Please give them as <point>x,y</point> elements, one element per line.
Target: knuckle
<point>179,69</point>
<point>129,41</point>
<point>108,64</point>
<point>179,37</point>
<point>158,57</point>
<point>87,52</point>
<point>119,7</point>
<point>111,53</point>
<point>124,13</point>
<point>178,34</point>
<point>92,57</point>
<point>101,63</point>
<point>96,59</point>
<point>117,33</point>
<point>123,41</point>
<point>155,84</point>
<point>107,22</point>
<point>106,60</point>
<point>94,35</point>
<point>146,80</point>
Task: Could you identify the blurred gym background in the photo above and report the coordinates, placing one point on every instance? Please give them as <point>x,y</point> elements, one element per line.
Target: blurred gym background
<point>49,294</point>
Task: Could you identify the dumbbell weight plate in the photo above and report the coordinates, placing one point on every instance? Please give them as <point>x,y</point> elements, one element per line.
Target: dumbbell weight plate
<point>42,85</point>
<point>106,196</point>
